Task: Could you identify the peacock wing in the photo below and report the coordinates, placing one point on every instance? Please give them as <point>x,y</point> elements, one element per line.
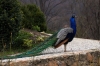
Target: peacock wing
<point>63,33</point>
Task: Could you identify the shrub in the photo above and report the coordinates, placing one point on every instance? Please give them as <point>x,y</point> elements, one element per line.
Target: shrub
<point>36,28</point>
<point>22,41</point>
<point>33,18</point>
<point>27,43</point>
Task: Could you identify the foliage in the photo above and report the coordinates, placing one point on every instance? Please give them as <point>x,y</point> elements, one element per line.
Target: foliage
<point>23,41</point>
<point>10,18</point>
<point>40,38</point>
<point>33,18</point>
<point>27,43</point>
<point>36,28</point>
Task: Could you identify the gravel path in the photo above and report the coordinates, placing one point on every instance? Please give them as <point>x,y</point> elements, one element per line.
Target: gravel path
<point>77,44</point>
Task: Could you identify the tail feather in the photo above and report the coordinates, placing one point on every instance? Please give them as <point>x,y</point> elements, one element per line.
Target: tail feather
<point>36,50</point>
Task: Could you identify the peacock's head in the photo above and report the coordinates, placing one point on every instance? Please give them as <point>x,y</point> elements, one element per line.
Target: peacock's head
<point>73,16</point>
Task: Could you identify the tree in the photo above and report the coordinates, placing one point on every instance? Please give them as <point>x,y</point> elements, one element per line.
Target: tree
<point>10,18</point>
<point>99,19</point>
<point>51,8</point>
<point>88,19</point>
<point>33,18</point>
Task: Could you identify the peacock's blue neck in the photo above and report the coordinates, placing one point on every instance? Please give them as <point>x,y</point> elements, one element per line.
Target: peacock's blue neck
<point>73,24</point>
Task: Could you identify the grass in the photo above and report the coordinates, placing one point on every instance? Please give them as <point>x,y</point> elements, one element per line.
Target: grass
<point>8,52</point>
<point>16,51</point>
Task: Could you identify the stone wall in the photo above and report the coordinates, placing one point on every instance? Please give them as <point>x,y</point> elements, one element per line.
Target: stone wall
<point>75,58</point>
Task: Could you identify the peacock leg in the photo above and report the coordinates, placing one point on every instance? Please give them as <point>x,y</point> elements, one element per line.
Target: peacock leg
<point>64,47</point>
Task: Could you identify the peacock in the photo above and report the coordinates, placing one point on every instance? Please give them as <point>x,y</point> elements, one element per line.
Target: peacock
<point>63,36</point>
<point>66,34</point>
